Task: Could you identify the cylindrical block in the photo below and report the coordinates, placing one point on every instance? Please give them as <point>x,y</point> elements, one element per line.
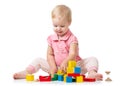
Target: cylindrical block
<point>30,77</point>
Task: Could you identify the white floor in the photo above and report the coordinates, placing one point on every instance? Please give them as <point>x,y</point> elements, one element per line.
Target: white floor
<point>56,83</point>
<point>12,82</point>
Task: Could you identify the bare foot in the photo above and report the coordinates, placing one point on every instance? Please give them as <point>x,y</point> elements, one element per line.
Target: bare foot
<point>20,75</point>
<point>93,74</point>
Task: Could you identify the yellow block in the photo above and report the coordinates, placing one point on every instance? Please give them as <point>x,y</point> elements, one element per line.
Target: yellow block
<point>59,72</point>
<point>65,77</point>
<point>70,70</point>
<point>72,63</point>
<point>30,77</point>
<point>79,79</point>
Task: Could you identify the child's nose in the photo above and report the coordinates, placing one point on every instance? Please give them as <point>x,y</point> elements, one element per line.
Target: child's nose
<point>58,28</point>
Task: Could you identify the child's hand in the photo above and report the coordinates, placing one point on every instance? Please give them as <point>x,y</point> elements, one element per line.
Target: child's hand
<point>53,71</point>
<point>63,66</point>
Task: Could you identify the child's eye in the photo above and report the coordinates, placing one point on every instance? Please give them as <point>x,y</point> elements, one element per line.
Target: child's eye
<point>55,25</point>
<point>62,26</point>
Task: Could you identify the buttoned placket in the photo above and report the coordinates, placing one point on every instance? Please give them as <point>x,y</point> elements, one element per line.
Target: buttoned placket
<point>60,45</point>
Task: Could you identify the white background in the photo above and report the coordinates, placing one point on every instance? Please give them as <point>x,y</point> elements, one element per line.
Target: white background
<point>26,24</point>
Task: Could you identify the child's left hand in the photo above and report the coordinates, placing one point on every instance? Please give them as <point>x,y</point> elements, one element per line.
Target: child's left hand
<point>63,66</point>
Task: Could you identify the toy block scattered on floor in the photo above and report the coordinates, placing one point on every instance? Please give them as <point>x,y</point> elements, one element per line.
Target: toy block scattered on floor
<point>79,79</point>
<point>89,79</point>
<point>108,79</point>
<point>64,76</point>
<point>60,77</point>
<point>68,79</point>
<point>30,77</point>
<point>55,77</point>
<point>45,78</point>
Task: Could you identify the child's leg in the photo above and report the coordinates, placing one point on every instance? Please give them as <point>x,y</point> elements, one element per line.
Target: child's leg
<point>81,63</point>
<point>32,68</point>
<point>36,64</point>
<point>91,66</point>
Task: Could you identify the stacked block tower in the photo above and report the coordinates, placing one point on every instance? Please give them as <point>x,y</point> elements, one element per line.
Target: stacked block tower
<point>72,74</point>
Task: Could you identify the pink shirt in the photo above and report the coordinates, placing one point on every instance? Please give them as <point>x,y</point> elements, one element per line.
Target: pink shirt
<point>61,47</point>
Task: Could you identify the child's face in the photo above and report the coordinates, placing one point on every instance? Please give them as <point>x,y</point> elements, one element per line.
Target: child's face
<point>60,26</point>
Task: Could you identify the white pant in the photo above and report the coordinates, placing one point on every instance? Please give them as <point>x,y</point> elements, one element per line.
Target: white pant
<point>86,64</point>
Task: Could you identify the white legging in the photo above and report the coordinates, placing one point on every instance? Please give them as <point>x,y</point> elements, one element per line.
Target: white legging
<point>87,64</point>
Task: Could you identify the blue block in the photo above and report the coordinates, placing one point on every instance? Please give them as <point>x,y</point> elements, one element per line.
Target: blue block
<point>77,70</point>
<point>69,79</point>
<point>60,77</point>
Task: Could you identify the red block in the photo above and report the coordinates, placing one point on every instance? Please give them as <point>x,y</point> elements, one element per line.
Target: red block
<point>89,79</point>
<point>45,78</point>
<point>83,75</point>
<point>73,74</point>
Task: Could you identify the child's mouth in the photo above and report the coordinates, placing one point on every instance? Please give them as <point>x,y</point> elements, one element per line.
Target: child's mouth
<point>59,32</point>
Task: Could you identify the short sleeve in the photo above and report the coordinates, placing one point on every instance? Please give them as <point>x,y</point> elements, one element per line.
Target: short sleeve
<point>49,41</point>
<point>73,39</point>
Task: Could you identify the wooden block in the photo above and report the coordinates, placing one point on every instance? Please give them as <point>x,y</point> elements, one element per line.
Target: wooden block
<point>30,77</point>
<point>60,77</point>
<point>60,72</point>
<point>107,72</point>
<point>72,63</point>
<point>55,77</point>
<point>79,79</point>
<point>70,70</point>
<point>69,79</point>
<point>44,78</point>
<point>89,79</point>
<point>108,79</point>
<point>73,74</point>
<point>77,70</point>
<point>73,79</point>
<point>65,75</point>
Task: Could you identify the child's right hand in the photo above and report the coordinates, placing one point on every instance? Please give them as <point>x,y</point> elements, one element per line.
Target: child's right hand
<point>53,71</point>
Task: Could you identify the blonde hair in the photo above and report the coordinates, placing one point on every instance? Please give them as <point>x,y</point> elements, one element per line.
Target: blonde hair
<point>62,12</point>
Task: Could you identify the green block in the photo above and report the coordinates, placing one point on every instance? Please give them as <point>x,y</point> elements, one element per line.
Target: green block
<point>55,77</point>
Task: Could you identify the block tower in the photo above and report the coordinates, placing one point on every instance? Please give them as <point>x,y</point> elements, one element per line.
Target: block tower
<point>73,74</point>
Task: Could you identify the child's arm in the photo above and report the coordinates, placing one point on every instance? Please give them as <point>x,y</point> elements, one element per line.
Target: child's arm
<point>51,60</point>
<point>73,52</point>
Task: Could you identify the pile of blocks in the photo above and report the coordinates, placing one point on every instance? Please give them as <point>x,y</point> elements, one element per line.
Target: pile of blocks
<point>73,74</point>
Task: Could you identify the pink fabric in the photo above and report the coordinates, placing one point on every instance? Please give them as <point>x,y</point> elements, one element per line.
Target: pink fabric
<point>38,63</point>
<point>61,46</point>
<point>93,68</point>
<point>88,64</point>
<point>30,69</point>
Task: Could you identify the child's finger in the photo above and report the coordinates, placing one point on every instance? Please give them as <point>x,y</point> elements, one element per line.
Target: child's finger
<point>65,69</point>
<point>52,75</point>
<point>61,68</point>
